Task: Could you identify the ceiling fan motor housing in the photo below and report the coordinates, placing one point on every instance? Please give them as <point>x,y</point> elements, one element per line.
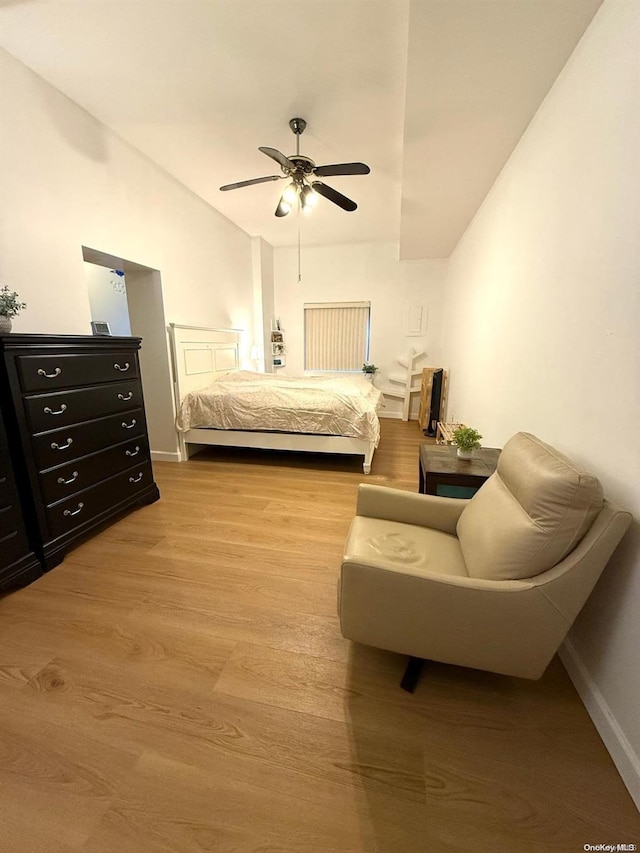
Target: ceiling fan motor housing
<point>301,163</point>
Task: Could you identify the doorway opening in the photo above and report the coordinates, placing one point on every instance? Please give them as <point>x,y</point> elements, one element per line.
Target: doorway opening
<point>108,299</point>
<point>128,297</point>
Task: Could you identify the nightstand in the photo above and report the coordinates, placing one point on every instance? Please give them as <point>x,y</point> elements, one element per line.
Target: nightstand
<point>442,473</point>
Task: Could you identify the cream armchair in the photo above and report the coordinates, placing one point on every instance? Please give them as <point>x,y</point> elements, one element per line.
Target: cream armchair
<point>494,582</point>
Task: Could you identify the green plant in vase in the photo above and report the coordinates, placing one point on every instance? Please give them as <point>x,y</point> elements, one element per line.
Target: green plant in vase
<point>369,369</point>
<point>467,440</point>
<point>10,306</point>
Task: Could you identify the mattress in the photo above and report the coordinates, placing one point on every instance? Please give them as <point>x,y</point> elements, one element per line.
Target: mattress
<point>325,405</point>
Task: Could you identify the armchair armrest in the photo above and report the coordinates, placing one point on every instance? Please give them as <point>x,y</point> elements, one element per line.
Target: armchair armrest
<point>409,507</point>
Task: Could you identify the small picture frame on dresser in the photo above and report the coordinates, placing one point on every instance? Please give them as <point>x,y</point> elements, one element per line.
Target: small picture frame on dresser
<point>100,327</point>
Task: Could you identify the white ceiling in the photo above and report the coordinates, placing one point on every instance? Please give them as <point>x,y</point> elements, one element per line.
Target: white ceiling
<point>432,94</point>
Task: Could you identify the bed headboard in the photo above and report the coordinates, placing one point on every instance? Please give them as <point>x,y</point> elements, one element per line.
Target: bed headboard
<point>200,354</point>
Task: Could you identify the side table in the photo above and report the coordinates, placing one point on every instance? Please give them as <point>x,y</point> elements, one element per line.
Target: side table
<point>442,473</point>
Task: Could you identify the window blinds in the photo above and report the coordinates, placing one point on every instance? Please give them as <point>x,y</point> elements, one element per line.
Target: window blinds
<point>336,335</point>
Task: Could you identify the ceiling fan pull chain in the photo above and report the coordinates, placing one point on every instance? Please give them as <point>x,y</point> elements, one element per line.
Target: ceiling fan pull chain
<point>299,267</point>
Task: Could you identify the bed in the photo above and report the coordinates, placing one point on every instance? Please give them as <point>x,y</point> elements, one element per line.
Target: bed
<point>217,403</point>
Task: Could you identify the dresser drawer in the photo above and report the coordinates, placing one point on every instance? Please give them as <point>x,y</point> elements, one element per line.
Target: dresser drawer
<point>86,505</point>
<point>50,411</point>
<point>51,372</point>
<point>60,446</point>
<point>10,519</point>
<point>6,468</point>
<point>7,490</point>
<point>13,547</point>
<point>7,485</point>
<point>64,481</point>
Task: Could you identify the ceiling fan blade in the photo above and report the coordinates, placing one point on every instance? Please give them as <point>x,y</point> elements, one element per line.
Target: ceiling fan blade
<point>342,169</point>
<point>251,182</point>
<point>334,196</point>
<point>279,157</point>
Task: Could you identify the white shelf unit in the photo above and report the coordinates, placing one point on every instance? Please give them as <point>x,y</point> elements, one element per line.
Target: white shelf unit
<point>405,383</point>
<point>277,348</point>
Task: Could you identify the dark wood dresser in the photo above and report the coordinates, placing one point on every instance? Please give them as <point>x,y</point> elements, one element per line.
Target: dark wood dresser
<point>75,421</point>
<point>18,564</point>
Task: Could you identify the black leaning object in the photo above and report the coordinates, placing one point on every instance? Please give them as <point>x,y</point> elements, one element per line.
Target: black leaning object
<point>412,674</point>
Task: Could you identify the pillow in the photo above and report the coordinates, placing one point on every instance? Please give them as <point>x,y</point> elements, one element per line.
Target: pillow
<point>529,514</point>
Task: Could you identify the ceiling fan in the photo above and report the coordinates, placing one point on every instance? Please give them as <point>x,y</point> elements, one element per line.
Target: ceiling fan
<point>302,171</point>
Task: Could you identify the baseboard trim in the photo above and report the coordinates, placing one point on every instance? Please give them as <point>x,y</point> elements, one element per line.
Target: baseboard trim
<point>164,456</point>
<point>395,415</point>
<point>619,748</point>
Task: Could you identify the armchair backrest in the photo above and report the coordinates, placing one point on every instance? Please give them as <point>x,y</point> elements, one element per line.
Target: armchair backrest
<point>530,513</point>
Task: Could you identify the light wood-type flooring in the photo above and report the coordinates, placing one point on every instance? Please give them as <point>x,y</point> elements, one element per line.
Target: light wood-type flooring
<point>179,684</point>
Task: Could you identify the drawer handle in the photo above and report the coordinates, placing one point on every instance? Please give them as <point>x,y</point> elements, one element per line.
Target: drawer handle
<point>53,375</point>
<point>122,369</point>
<point>56,446</point>
<point>74,511</point>
<point>129,426</point>
<point>132,452</point>
<point>4,479</point>
<point>72,479</point>
<point>60,411</point>
<point>136,479</point>
<point>125,397</point>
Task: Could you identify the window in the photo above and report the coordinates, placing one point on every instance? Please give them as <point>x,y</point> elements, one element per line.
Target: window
<point>336,335</point>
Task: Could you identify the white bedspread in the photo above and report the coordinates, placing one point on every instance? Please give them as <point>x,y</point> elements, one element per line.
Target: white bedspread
<point>327,405</point>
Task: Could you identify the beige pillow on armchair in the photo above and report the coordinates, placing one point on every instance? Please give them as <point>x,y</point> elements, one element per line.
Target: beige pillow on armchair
<point>529,514</point>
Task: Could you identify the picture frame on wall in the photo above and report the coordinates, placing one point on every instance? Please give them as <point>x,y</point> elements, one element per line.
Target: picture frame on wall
<point>100,327</point>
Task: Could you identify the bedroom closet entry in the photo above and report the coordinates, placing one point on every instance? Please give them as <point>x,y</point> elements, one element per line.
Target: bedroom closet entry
<point>133,303</point>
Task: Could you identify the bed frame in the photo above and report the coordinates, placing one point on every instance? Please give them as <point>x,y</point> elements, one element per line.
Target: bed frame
<point>200,354</point>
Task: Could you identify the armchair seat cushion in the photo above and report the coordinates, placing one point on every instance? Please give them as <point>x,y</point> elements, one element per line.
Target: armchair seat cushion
<point>405,548</point>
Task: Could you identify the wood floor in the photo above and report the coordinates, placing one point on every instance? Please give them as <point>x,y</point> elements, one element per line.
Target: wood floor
<point>180,684</point>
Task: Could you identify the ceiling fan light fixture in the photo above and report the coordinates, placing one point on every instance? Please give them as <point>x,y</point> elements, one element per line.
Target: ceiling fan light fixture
<point>283,207</point>
<point>308,198</point>
<point>290,194</point>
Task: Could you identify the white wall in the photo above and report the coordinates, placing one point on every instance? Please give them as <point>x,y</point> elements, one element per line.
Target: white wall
<point>542,320</point>
<point>362,272</point>
<point>263,305</point>
<point>66,181</point>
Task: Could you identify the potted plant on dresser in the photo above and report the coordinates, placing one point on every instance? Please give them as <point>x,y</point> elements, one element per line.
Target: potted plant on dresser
<point>10,307</point>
